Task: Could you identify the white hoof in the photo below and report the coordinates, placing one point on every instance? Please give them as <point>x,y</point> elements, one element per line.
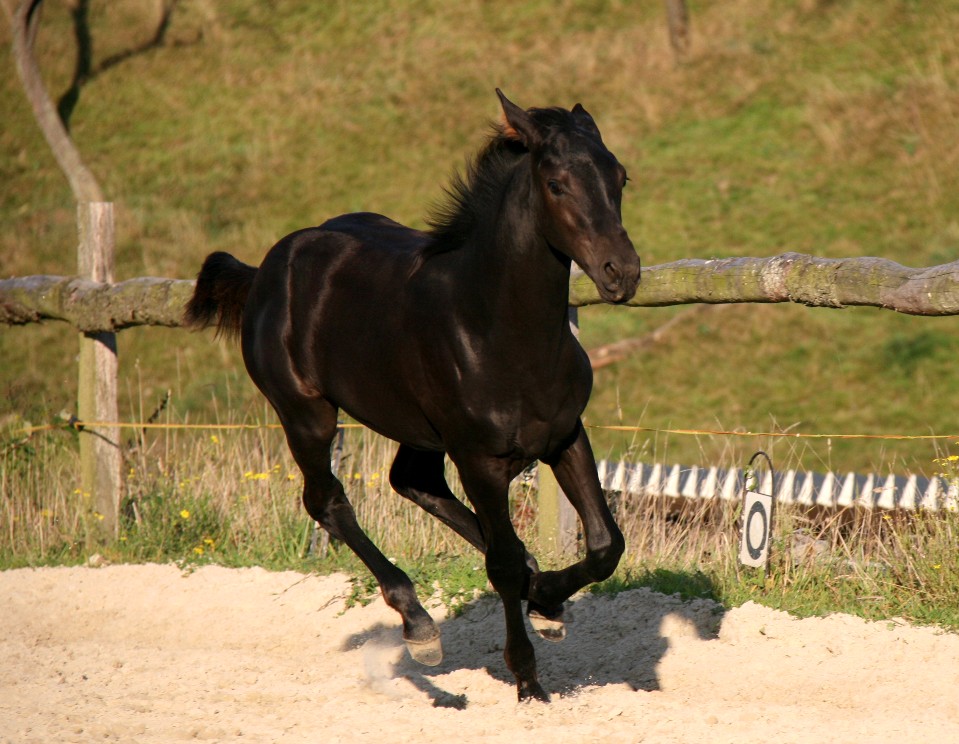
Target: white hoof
<point>549,629</point>
<point>428,653</point>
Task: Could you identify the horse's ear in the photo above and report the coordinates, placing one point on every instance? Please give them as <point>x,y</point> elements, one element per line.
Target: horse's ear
<point>518,124</point>
<point>583,118</point>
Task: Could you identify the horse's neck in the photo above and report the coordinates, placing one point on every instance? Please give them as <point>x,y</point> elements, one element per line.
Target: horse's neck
<point>525,285</point>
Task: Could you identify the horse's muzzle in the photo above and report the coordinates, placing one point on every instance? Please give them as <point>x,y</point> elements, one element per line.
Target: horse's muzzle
<point>618,280</point>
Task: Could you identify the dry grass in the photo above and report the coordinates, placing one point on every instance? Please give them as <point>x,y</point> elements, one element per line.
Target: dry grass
<point>232,496</point>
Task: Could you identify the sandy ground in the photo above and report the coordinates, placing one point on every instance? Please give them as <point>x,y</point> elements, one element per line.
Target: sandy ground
<point>151,654</point>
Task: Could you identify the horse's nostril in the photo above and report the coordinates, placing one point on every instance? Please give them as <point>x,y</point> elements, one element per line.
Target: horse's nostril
<point>612,272</point>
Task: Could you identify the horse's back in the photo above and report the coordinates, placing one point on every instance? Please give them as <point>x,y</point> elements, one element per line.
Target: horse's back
<point>376,232</point>
<point>327,302</point>
<point>349,249</point>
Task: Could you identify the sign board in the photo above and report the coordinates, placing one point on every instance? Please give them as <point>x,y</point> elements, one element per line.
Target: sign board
<point>757,529</point>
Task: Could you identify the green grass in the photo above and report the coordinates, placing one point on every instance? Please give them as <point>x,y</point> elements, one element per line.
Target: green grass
<point>825,128</point>
<point>821,128</point>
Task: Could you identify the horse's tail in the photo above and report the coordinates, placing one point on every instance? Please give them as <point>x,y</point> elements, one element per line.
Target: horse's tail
<point>221,290</point>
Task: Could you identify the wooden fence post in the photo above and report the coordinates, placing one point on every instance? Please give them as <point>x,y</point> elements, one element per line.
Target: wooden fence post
<point>556,520</point>
<point>100,460</point>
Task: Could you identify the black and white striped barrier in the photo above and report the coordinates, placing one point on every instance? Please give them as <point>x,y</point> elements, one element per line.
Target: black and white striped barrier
<point>788,487</point>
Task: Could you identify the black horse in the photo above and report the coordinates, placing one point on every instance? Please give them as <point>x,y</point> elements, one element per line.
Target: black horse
<point>451,341</point>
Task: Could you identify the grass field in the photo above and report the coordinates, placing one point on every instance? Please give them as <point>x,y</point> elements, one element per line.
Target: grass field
<point>828,128</point>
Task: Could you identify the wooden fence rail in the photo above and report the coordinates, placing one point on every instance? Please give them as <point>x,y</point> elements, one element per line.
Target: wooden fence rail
<point>792,277</point>
<point>94,306</point>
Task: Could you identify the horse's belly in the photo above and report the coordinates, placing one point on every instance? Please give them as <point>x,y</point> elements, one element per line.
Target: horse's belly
<point>395,419</point>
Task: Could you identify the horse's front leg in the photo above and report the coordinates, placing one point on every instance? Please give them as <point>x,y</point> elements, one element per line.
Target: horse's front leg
<point>486,482</point>
<point>575,470</point>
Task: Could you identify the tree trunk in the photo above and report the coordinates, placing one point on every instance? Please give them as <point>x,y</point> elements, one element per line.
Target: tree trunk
<point>26,19</point>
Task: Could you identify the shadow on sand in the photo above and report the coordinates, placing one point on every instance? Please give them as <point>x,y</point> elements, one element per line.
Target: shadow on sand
<point>612,639</point>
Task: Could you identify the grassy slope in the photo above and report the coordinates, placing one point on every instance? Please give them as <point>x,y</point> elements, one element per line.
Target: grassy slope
<point>822,127</point>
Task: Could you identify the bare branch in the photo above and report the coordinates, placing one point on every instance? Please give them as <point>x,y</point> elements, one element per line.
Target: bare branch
<point>7,10</point>
<point>677,20</point>
<point>84,71</point>
<point>617,351</point>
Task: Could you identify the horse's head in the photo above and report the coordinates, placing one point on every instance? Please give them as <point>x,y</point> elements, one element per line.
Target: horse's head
<point>578,185</point>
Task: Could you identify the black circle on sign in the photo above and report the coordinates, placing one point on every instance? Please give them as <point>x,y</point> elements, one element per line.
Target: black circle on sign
<point>759,509</point>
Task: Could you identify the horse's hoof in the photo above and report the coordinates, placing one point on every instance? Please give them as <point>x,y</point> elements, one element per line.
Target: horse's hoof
<point>527,691</point>
<point>428,653</point>
<point>548,626</point>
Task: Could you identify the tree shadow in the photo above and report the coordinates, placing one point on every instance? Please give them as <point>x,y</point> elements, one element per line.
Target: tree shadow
<point>612,639</point>
<point>84,70</point>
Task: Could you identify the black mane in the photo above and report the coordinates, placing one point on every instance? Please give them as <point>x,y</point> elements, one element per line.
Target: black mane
<point>470,199</point>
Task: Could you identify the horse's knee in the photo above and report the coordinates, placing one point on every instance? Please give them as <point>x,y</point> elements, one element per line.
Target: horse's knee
<point>314,504</point>
<point>507,569</point>
<point>399,476</point>
<point>417,471</point>
<point>604,559</point>
<point>328,506</point>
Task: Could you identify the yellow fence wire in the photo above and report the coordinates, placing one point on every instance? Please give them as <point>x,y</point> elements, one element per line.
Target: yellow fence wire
<point>73,423</point>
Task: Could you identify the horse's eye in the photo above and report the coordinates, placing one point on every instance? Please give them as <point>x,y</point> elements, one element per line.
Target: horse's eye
<point>554,188</point>
<point>626,179</point>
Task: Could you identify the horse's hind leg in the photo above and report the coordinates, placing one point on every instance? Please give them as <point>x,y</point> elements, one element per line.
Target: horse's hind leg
<point>420,476</point>
<point>309,433</point>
